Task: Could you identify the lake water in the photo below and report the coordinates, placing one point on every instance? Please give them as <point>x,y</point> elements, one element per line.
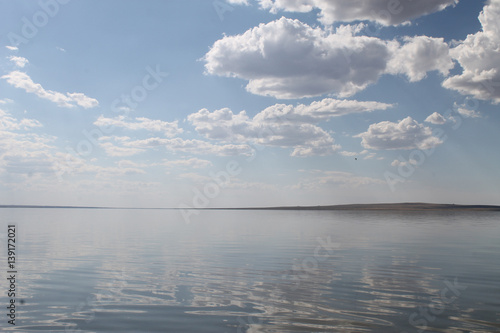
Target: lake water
<point>84,270</point>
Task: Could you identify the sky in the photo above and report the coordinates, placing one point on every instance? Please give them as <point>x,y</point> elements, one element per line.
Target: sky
<point>244,103</point>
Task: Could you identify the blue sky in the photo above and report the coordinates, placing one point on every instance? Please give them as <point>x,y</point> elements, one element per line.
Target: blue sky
<point>249,103</point>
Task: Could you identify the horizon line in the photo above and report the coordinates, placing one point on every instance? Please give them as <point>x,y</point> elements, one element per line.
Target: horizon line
<point>365,206</point>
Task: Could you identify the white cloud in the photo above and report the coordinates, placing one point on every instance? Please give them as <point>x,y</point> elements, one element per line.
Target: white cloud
<point>238,2</point>
<point>130,164</point>
<point>266,129</point>
<point>318,111</point>
<point>479,56</point>
<point>125,146</point>
<point>406,134</point>
<point>19,61</point>
<point>22,80</point>
<point>288,59</point>
<point>11,48</point>
<point>281,125</point>
<point>119,151</point>
<point>193,163</point>
<point>420,55</point>
<point>169,129</point>
<point>385,12</point>
<point>82,100</point>
<point>5,101</point>
<point>435,119</point>
<point>327,179</point>
<point>8,123</point>
<point>348,153</point>
<point>369,156</point>
<point>397,163</point>
<point>468,113</point>
<point>23,152</point>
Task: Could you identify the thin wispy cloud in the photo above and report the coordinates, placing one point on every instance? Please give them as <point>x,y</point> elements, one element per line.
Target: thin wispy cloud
<point>69,100</point>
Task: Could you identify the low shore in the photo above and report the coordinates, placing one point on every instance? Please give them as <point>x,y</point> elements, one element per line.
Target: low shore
<point>406,206</point>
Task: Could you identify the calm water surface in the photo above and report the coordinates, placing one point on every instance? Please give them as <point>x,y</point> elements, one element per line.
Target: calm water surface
<point>253,271</point>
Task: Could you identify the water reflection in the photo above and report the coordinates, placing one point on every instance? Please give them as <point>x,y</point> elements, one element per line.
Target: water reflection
<point>131,271</point>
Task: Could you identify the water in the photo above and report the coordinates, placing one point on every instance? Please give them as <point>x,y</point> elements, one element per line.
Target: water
<point>253,271</point>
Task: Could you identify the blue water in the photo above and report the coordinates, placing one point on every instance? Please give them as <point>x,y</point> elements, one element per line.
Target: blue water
<point>83,270</point>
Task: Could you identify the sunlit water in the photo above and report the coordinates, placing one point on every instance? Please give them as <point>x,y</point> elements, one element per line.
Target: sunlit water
<point>253,271</point>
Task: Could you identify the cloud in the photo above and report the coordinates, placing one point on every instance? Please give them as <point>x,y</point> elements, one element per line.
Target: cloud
<point>195,177</point>
<point>435,119</point>
<point>8,123</point>
<point>397,163</point>
<point>193,163</point>
<point>318,111</point>
<point>479,56</point>
<point>393,12</point>
<point>466,113</point>
<point>28,163</point>
<point>326,179</point>
<point>266,128</point>
<point>19,61</point>
<point>169,129</point>
<point>238,2</point>
<point>11,48</point>
<point>22,80</point>
<point>348,153</point>
<point>119,151</point>
<point>5,101</point>
<point>420,55</point>
<point>125,146</point>
<point>405,134</point>
<point>82,100</point>
<point>289,59</point>
<point>23,152</point>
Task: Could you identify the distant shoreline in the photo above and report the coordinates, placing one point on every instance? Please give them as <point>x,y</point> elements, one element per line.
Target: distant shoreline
<point>406,206</point>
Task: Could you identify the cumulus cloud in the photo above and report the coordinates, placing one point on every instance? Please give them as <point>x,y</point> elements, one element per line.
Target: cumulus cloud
<point>289,59</point>
<point>392,12</point>
<point>420,55</point>
<point>271,127</point>
<point>19,61</point>
<point>169,129</point>
<point>82,100</point>
<point>436,119</point>
<point>405,134</point>
<point>23,152</point>
<point>22,80</point>
<point>479,56</point>
<point>125,146</point>
<point>318,111</point>
<point>9,123</point>
<point>281,125</point>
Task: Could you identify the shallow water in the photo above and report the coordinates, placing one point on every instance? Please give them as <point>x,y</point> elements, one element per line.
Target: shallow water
<point>84,270</point>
